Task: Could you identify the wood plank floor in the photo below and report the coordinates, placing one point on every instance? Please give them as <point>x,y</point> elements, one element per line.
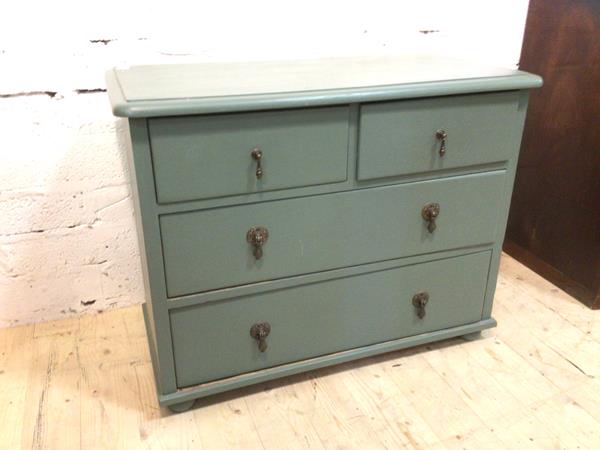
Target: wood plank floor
<point>532,382</point>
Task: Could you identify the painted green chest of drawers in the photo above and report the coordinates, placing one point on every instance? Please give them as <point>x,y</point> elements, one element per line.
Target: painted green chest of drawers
<point>294,215</point>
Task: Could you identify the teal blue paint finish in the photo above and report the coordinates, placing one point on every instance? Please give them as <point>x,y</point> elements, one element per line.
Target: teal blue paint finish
<point>398,138</point>
<point>199,157</point>
<point>346,175</point>
<point>147,221</point>
<point>212,341</point>
<point>208,250</point>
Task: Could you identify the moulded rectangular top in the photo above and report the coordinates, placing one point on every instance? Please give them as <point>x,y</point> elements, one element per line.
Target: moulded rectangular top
<point>178,89</point>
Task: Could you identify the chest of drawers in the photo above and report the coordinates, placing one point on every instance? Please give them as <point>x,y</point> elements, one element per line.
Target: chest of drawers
<point>297,215</point>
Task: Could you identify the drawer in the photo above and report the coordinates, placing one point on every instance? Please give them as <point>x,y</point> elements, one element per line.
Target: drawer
<point>207,250</point>
<point>399,138</point>
<point>213,340</point>
<point>199,157</point>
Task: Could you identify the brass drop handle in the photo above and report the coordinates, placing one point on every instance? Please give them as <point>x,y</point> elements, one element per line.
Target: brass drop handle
<point>257,237</point>
<point>259,332</point>
<point>430,212</point>
<point>419,301</point>
<point>257,156</point>
<point>442,135</point>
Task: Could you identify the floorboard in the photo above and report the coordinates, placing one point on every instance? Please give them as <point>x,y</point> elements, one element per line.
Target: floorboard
<point>532,382</point>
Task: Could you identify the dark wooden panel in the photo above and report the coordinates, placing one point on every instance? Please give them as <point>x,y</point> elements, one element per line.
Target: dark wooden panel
<point>555,211</point>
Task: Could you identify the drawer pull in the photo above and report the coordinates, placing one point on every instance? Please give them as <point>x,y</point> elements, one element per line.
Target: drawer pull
<point>419,301</point>
<point>257,156</point>
<point>442,135</point>
<point>430,212</point>
<point>260,331</point>
<point>257,237</point>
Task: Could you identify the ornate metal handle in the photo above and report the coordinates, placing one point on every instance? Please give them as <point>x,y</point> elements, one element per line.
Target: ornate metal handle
<point>419,301</point>
<point>441,135</point>
<point>257,156</point>
<point>260,331</point>
<point>430,212</point>
<point>257,237</point>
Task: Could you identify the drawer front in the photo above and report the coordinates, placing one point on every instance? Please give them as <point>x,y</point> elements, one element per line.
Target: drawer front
<point>207,250</point>
<point>213,341</point>
<point>199,157</point>
<point>399,138</point>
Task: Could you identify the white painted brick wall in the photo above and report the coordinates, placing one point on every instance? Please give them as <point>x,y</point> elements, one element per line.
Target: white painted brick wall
<point>67,235</point>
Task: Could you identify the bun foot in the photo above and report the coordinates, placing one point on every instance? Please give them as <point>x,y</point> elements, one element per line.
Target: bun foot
<point>472,336</point>
<point>181,407</point>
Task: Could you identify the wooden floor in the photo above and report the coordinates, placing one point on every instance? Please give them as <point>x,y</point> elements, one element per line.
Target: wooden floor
<point>532,382</point>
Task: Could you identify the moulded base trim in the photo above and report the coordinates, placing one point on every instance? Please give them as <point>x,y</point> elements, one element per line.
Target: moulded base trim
<point>259,376</point>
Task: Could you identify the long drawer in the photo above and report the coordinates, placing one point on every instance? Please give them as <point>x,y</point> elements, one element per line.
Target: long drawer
<point>207,250</point>
<point>197,157</point>
<point>214,340</point>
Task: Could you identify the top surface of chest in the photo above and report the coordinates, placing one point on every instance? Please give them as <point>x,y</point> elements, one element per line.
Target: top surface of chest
<point>181,89</point>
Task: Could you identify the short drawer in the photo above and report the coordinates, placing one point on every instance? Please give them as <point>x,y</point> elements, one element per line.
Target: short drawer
<point>401,138</point>
<point>198,157</point>
<point>207,250</point>
<point>214,340</point>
